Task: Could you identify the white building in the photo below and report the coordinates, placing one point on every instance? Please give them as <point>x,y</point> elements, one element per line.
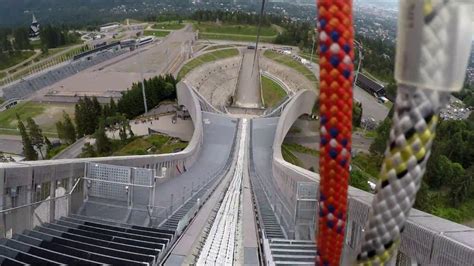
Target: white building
<point>109,28</point>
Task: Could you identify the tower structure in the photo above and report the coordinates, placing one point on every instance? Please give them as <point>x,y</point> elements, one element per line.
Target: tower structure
<point>34,28</point>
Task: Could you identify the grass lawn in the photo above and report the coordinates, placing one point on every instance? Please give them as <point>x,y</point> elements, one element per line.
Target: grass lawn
<point>301,149</point>
<point>234,29</point>
<point>289,156</point>
<point>389,105</point>
<point>464,213</point>
<point>307,56</point>
<point>2,75</point>
<point>367,73</point>
<point>157,33</point>
<point>222,46</point>
<point>170,25</point>
<point>45,115</point>
<point>155,144</point>
<point>206,58</point>
<point>8,60</point>
<point>272,92</point>
<point>371,134</point>
<point>246,33</point>
<point>51,52</point>
<point>367,163</point>
<point>55,151</point>
<point>235,38</point>
<point>36,44</point>
<point>290,62</point>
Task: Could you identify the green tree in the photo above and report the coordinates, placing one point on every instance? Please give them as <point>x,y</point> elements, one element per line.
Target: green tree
<point>69,129</point>
<point>48,144</point>
<point>52,37</point>
<point>88,151</point>
<point>79,117</point>
<point>437,170</point>
<point>61,131</point>
<point>113,107</point>
<point>87,113</point>
<point>380,142</point>
<point>3,159</point>
<point>28,149</point>
<point>423,199</point>
<point>359,180</point>
<point>357,114</point>
<point>459,184</point>
<point>124,126</point>
<point>21,41</point>
<point>36,135</point>
<point>102,142</point>
<point>157,89</point>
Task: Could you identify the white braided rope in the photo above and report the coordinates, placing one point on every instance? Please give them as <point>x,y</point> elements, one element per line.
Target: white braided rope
<point>434,51</point>
<point>411,137</point>
<point>409,149</point>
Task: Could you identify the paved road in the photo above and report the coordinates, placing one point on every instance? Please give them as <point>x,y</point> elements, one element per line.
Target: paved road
<point>311,141</point>
<point>248,93</point>
<point>119,73</point>
<point>371,108</point>
<point>74,150</point>
<point>11,144</point>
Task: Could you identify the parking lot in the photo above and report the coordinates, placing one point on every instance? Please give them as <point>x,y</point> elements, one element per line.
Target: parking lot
<point>371,107</point>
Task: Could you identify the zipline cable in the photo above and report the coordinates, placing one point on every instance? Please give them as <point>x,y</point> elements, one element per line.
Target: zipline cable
<point>259,28</point>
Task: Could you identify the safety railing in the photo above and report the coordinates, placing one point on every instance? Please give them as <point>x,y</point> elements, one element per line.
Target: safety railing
<point>206,106</point>
<point>278,81</point>
<point>200,201</point>
<point>26,217</point>
<point>267,252</point>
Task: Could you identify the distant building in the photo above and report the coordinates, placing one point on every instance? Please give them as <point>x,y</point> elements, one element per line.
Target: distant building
<point>371,86</point>
<point>34,28</point>
<point>109,27</point>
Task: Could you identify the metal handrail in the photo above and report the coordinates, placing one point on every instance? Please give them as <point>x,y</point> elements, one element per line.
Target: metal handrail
<point>117,183</point>
<point>184,221</point>
<point>42,201</point>
<point>279,82</point>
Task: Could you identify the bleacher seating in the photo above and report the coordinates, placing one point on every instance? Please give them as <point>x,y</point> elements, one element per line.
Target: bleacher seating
<point>38,81</point>
<point>292,252</point>
<point>81,240</point>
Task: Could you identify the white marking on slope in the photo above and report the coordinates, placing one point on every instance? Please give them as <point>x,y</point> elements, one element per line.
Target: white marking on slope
<point>219,246</point>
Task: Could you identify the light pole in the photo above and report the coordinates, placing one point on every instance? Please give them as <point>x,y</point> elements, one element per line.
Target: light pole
<point>141,78</point>
<point>359,45</point>
<point>312,49</point>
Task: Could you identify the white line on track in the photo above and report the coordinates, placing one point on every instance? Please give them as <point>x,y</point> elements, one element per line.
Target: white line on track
<point>219,245</point>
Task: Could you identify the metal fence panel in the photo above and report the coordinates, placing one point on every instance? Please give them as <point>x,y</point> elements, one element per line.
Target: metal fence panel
<point>102,172</point>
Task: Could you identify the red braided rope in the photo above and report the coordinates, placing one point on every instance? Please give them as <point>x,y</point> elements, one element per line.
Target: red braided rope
<point>336,46</point>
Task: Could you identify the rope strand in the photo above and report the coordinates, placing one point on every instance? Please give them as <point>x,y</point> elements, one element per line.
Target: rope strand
<point>336,48</point>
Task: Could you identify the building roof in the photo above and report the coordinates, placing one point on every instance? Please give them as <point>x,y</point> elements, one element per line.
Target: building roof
<point>369,84</point>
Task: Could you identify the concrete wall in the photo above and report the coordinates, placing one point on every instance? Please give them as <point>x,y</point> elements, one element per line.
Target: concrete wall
<point>217,80</point>
<point>25,176</point>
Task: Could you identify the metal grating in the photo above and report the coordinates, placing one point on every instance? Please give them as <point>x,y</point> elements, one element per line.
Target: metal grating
<point>142,176</point>
<point>111,173</point>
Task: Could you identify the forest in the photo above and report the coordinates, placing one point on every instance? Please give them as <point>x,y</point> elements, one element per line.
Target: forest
<point>295,33</point>
<point>15,46</point>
